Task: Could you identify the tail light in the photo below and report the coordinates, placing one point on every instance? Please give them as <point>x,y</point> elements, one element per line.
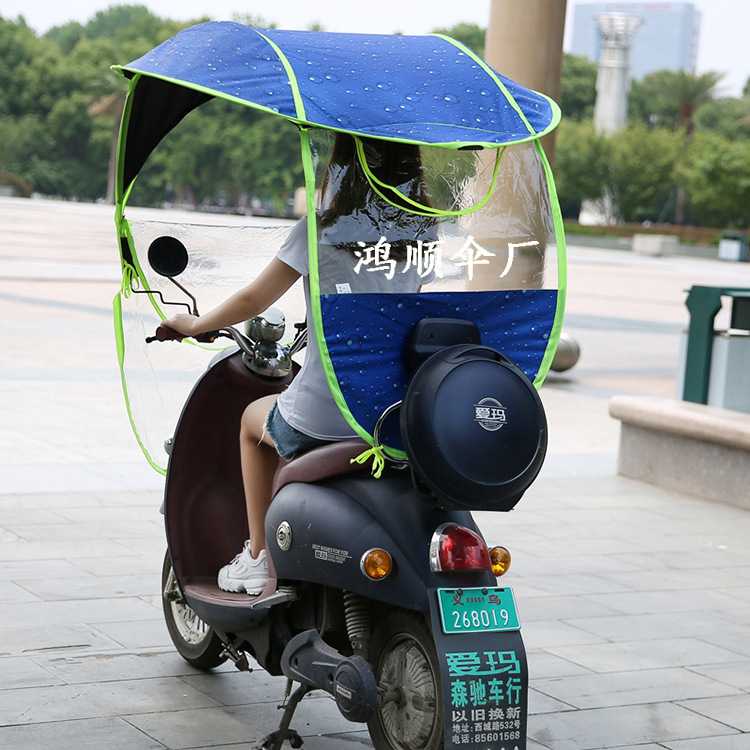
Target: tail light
<point>500,559</point>
<point>455,547</point>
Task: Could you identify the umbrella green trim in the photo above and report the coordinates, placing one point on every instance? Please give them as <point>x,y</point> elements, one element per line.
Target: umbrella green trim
<point>315,312</point>
<point>302,122</point>
<point>419,208</point>
<point>556,111</point>
<point>299,105</point>
<point>562,272</point>
<point>120,342</point>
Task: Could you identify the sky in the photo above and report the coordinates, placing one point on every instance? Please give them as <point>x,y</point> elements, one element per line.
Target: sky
<point>723,44</point>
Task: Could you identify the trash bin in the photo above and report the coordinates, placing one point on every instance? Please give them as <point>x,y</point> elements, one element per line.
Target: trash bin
<point>729,383</point>
<point>715,365</point>
<point>733,246</point>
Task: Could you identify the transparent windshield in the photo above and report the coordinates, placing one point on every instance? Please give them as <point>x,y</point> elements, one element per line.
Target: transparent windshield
<point>401,233</point>
<point>407,232</point>
<point>159,376</point>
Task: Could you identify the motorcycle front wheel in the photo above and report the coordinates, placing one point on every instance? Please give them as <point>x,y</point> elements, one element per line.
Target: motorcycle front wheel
<point>195,641</point>
<point>410,714</point>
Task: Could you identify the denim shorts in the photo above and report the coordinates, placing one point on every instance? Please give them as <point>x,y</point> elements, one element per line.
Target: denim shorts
<point>289,441</point>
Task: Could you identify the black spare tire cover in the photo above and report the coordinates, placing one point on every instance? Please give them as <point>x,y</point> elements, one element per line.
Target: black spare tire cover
<point>474,429</point>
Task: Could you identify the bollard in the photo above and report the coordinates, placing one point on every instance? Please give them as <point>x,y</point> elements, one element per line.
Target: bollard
<point>567,353</point>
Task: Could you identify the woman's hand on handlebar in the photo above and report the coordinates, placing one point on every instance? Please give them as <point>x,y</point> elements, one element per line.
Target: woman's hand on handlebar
<point>181,326</point>
<point>187,325</point>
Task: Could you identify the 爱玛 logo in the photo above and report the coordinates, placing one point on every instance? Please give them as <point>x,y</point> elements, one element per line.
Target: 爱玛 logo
<point>490,414</point>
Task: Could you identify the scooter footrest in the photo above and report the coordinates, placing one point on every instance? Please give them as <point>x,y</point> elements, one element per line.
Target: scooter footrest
<point>275,739</point>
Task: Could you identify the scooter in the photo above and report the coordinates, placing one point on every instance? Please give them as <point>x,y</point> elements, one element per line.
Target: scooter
<point>382,591</point>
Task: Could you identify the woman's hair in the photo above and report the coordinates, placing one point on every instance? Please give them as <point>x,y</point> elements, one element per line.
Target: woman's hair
<point>347,191</point>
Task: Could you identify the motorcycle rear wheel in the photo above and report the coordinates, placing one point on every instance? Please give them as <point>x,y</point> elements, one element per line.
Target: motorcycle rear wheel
<point>406,667</point>
<point>195,641</point>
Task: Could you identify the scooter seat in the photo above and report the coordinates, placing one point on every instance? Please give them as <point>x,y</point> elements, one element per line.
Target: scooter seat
<point>328,460</point>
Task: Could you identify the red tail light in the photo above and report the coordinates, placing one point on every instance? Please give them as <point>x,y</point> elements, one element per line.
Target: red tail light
<point>455,547</point>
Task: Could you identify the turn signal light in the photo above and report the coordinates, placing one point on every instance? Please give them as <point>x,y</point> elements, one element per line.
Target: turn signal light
<point>455,547</point>
<point>500,559</point>
<point>376,564</point>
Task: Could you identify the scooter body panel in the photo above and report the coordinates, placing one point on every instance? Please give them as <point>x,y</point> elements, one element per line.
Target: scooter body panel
<point>330,526</point>
<point>327,528</point>
<point>205,516</point>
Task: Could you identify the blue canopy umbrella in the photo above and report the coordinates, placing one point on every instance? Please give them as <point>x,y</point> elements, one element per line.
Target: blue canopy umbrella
<point>419,89</point>
<point>430,91</point>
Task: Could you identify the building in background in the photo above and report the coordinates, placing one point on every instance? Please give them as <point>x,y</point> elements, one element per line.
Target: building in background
<point>613,79</point>
<point>667,38</point>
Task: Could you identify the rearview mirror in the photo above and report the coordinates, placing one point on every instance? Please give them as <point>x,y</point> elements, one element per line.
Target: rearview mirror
<point>167,256</point>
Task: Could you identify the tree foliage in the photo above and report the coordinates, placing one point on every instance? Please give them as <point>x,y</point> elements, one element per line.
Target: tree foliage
<point>671,99</point>
<point>642,168</point>
<point>467,33</point>
<point>60,107</point>
<point>48,86</point>
<point>582,159</point>
<point>716,175</point>
<point>642,172</point>
<point>577,87</point>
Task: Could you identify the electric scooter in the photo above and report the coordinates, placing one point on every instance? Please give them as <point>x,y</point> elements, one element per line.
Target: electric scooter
<point>382,592</point>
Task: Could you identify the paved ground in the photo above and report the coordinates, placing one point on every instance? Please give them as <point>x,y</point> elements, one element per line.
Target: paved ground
<point>635,602</point>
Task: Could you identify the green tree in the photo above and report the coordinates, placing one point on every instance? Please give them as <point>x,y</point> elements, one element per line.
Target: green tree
<point>642,171</point>
<point>194,158</point>
<point>577,87</point>
<point>66,36</point>
<point>119,34</point>
<point>220,152</point>
<point>727,116</point>
<point>716,176</point>
<point>129,23</point>
<point>671,99</point>
<point>467,33</point>
<point>650,101</point>
<point>265,157</point>
<point>582,159</point>
<point>691,92</point>
<point>33,75</point>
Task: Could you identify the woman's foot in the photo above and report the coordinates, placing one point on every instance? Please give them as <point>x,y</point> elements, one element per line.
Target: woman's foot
<point>245,573</point>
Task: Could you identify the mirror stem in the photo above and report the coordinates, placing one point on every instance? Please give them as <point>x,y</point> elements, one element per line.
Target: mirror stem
<point>179,286</point>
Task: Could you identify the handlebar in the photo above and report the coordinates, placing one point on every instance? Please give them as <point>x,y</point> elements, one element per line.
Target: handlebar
<point>247,345</point>
<point>165,333</point>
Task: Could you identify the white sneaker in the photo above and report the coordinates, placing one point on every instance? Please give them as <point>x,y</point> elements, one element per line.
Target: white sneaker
<point>245,573</point>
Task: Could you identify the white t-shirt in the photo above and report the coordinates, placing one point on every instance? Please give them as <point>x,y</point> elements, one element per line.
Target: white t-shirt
<point>308,404</point>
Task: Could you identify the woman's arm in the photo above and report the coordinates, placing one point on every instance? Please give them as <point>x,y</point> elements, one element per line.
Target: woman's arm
<point>257,296</point>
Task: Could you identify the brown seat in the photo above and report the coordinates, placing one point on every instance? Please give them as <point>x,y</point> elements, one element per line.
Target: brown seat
<point>328,460</point>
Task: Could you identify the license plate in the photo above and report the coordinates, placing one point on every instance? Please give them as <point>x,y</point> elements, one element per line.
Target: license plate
<point>477,610</point>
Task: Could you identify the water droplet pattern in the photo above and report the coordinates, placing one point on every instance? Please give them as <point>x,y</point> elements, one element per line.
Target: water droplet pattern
<point>408,87</point>
<point>366,334</point>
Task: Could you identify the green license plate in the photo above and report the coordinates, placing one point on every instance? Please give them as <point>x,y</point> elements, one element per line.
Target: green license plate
<point>477,610</point>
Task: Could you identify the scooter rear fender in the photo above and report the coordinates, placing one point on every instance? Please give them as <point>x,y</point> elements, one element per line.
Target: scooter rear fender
<point>320,533</point>
<point>484,677</point>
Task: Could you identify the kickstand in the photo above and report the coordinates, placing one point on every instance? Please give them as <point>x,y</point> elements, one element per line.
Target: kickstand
<point>275,739</point>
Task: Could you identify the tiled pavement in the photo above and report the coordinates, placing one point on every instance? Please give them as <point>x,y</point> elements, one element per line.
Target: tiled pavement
<point>635,602</point>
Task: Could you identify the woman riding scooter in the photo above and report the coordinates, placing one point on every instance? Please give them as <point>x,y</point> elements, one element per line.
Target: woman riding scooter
<point>305,415</point>
<point>382,593</point>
